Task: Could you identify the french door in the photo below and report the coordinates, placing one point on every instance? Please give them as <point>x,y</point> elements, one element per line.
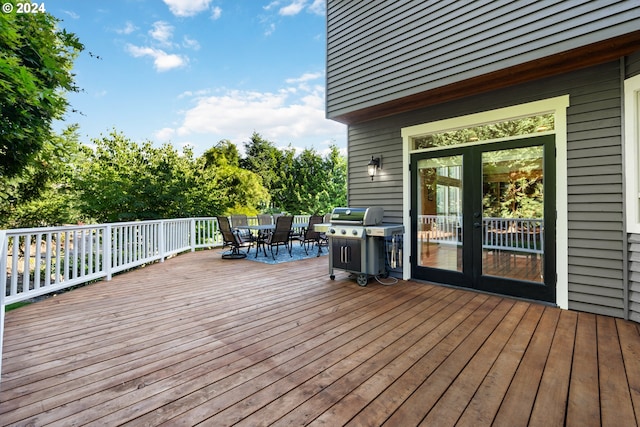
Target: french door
<point>484,216</point>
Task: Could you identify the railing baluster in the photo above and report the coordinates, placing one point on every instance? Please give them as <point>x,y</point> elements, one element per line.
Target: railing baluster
<point>38,261</point>
<point>14,264</point>
<point>26,263</point>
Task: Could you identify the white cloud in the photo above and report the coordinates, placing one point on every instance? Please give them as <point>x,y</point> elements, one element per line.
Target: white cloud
<point>319,7</point>
<point>127,29</point>
<point>293,9</point>
<point>271,28</point>
<point>216,13</point>
<point>272,5</point>
<point>72,14</point>
<point>162,32</point>
<point>305,78</point>
<point>296,6</point>
<point>293,114</point>
<point>162,60</point>
<point>164,134</point>
<point>185,8</point>
<point>190,43</point>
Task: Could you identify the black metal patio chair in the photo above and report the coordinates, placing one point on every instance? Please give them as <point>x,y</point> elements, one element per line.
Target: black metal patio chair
<point>310,235</point>
<point>281,235</point>
<point>238,220</point>
<point>232,238</point>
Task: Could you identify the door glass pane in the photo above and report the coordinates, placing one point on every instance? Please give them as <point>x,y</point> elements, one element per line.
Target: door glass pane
<point>484,132</point>
<point>440,213</point>
<point>512,213</point>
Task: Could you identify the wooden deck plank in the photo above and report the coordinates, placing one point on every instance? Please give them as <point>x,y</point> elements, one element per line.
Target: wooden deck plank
<point>615,398</point>
<point>550,405</point>
<point>329,306</point>
<point>583,406</point>
<point>429,333</point>
<point>629,334</point>
<point>199,339</point>
<point>518,402</point>
<point>427,394</point>
<point>486,402</point>
<point>453,402</point>
<point>340,384</point>
<point>384,405</point>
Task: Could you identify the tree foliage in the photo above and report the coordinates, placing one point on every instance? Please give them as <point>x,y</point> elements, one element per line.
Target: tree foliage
<point>124,181</point>
<point>238,190</point>
<point>304,184</point>
<point>36,58</point>
<point>42,193</point>
<point>117,179</point>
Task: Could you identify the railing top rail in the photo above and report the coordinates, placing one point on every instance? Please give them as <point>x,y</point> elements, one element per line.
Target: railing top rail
<point>34,230</point>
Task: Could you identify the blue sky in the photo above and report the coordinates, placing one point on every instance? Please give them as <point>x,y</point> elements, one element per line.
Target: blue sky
<point>198,71</point>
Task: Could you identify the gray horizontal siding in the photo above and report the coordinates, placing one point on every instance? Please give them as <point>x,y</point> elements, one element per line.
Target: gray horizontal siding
<point>383,50</point>
<point>634,277</point>
<point>363,191</point>
<point>594,150</point>
<point>633,65</point>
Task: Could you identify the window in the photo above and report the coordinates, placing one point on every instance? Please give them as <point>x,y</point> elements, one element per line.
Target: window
<point>632,152</point>
<point>531,125</point>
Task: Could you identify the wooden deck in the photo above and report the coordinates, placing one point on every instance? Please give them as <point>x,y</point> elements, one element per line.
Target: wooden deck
<point>198,339</point>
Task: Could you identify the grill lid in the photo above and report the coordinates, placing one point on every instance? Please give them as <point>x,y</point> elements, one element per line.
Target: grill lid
<point>360,216</point>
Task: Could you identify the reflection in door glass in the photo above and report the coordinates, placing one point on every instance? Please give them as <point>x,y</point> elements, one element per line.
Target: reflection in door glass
<point>440,213</point>
<point>512,213</point>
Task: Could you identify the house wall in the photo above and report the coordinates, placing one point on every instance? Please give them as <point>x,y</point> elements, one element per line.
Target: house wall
<point>633,69</point>
<point>378,51</point>
<point>594,153</point>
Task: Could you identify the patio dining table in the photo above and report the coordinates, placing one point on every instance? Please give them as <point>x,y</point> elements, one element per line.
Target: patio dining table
<point>262,228</point>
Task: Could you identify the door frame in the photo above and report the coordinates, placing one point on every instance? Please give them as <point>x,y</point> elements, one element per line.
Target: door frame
<point>472,275</point>
<point>556,106</point>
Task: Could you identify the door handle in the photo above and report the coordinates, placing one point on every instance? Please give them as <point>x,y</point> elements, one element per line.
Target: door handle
<point>477,224</point>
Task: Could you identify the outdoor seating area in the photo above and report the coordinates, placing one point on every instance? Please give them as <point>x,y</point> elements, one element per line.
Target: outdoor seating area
<point>271,232</point>
<point>191,340</point>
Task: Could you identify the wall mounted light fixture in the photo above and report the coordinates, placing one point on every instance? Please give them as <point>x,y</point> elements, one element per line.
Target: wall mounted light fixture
<point>373,166</point>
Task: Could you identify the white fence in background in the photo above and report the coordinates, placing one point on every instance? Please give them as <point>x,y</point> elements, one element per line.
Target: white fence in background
<point>507,234</point>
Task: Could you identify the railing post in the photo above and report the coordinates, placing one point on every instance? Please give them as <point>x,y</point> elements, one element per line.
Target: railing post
<point>192,223</point>
<point>161,240</point>
<point>3,284</point>
<point>106,250</point>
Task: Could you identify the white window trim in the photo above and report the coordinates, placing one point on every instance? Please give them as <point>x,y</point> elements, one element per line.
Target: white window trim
<point>558,106</point>
<point>632,160</point>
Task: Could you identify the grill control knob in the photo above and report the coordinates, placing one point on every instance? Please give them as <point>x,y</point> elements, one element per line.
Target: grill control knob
<point>332,230</point>
<point>354,232</point>
<point>343,231</point>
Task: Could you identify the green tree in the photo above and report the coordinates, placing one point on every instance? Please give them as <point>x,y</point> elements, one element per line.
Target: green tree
<point>125,181</point>
<point>36,58</point>
<point>42,193</point>
<point>299,184</point>
<point>237,190</point>
<point>265,159</point>
<point>283,194</point>
<point>320,182</point>
<point>336,186</point>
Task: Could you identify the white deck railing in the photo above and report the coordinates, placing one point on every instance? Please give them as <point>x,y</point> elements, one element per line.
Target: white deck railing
<point>39,261</point>
<point>507,234</point>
